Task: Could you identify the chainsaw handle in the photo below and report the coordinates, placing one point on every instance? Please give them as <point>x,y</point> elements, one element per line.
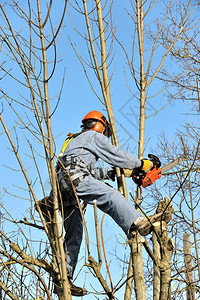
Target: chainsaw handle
<point>155,160</point>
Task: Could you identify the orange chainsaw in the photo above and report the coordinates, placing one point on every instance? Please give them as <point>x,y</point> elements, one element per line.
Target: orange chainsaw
<point>145,179</point>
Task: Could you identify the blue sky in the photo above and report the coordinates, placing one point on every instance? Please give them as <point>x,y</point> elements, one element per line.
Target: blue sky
<point>76,101</point>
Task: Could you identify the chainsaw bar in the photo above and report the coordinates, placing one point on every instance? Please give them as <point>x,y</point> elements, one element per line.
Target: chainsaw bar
<point>172,164</point>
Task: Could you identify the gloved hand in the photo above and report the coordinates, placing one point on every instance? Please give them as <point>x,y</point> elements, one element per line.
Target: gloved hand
<point>111,174</point>
<point>146,165</point>
<point>128,173</point>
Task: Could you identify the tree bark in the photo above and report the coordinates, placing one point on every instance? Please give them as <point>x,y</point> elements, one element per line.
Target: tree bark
<point>156,270</point>
<point>188,266</point>
<point>65,293</point>
<point>137,268</point>
<point>107,98</point>
<point>166,250</point>
<point>137,260</point>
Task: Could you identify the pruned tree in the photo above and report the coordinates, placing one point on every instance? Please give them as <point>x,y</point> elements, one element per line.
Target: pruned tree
<point>30,37</point>
<point>152,46</point>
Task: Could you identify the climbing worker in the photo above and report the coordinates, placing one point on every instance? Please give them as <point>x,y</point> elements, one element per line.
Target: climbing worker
<point>77,167</point>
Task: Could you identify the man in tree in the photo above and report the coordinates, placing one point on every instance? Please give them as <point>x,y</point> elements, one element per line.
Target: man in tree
<point>76,165</point>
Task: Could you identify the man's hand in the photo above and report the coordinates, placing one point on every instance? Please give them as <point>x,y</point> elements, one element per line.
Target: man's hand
<point>127,172</point>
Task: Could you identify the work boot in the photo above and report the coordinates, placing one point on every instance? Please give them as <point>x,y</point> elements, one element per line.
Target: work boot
<point>46,207</point>
<point>144,226</point>
<point>76,290</point>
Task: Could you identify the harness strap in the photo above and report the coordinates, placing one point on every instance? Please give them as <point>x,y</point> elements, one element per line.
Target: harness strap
<point>70,137</point>
<point>76,171</point>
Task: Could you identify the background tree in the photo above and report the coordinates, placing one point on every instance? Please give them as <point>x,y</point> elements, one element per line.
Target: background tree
<point>31,62</point>
<point>24,47</point>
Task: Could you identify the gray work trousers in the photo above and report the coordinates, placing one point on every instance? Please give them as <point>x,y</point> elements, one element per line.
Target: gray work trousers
<point>109,201</point>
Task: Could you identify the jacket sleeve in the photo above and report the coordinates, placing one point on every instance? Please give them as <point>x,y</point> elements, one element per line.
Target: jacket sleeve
<point>101,173</point>
<point>102,147</point>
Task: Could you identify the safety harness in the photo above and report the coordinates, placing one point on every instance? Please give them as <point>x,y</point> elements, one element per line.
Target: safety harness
<point>70,137</point>
<point>70,170</point>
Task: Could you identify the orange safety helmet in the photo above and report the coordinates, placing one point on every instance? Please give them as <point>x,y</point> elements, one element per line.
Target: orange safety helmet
<point>98,122</point>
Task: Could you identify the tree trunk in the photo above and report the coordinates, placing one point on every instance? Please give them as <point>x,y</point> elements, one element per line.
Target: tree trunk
<point>137,267</point>
<point>129,284</point>
<point>65,294</point>
<point>188,266</point>
<point>156,270</point>
<point>166,250</point>
<point>136,247</point>
<point>106,94</point>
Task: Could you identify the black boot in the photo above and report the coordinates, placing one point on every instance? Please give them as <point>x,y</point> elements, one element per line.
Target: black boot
<point>46,206</point>
<point>76,290</point>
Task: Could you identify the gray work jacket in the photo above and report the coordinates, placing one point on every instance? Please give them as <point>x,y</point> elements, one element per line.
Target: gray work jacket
<point>80,158</point>
<point>90,145</point>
